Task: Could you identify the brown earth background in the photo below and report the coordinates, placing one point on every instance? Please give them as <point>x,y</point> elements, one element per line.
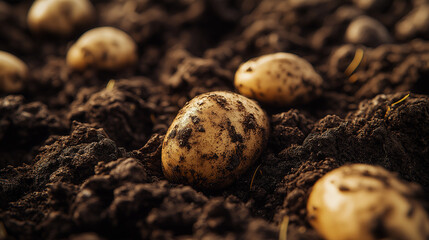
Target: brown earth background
<point>82,161</point>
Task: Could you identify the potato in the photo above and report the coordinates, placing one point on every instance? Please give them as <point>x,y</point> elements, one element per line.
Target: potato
<point>60,17</point>
<point>280,79</point>
<point>104,48</point>
<point>414,23</point>
<point>366,202</point>
<point>371,5</point>
<point>13,73</point>
<point>215,138</point>
<point>367,31</point>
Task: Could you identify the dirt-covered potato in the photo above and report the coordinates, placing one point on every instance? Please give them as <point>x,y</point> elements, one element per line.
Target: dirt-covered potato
<point>13,73</point>
<point>280,79</point>
<point>214,139</point>
<point>366,202</point>
<point>104,48</point>
<point>60,17</point>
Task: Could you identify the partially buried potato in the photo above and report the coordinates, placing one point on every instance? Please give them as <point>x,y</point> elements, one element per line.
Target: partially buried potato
<point>13,73</point>
<point>280,79</point>
<point>60,17</point>
<point>105,48</point>
<point>215,138</point>
<point>367,31</point>
<point>366,202</point>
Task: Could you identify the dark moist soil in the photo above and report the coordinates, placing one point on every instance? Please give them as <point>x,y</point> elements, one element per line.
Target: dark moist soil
<point>79,161</point>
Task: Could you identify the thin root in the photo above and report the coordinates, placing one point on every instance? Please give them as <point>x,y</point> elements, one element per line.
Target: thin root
<point>389,108</point>
<point>110,84</point>
<point>152,118</point>
<point>353,78</point>
<point>283,228</point>
<point>355,62</point>
<point>3,233</point>
<point>254,174</point>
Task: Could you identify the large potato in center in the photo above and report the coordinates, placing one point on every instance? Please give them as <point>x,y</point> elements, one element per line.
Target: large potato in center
<point>215,138</point>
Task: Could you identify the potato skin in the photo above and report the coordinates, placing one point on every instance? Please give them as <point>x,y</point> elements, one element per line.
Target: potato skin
<point>279,79</point>
<point>214,138</point>
<point>361,201</point>
<point>104,48</point>
<point>13,73</point>
<point>60,17</point>
<point>367,31</point>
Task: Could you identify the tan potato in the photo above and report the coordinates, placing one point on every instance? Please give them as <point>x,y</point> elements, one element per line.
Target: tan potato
<point>371,5</point>
<point>414,23</point>
<point>366,202</point>
<point>215,138</point>
<point>104,48</point>
<point>60,17</point>
<point>13,73</point>
<point>281,79</point>
<point>367,31</point>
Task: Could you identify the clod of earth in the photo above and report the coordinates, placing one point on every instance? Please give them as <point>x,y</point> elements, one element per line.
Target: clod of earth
<point>214,139</point>
<point>81,158</point>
